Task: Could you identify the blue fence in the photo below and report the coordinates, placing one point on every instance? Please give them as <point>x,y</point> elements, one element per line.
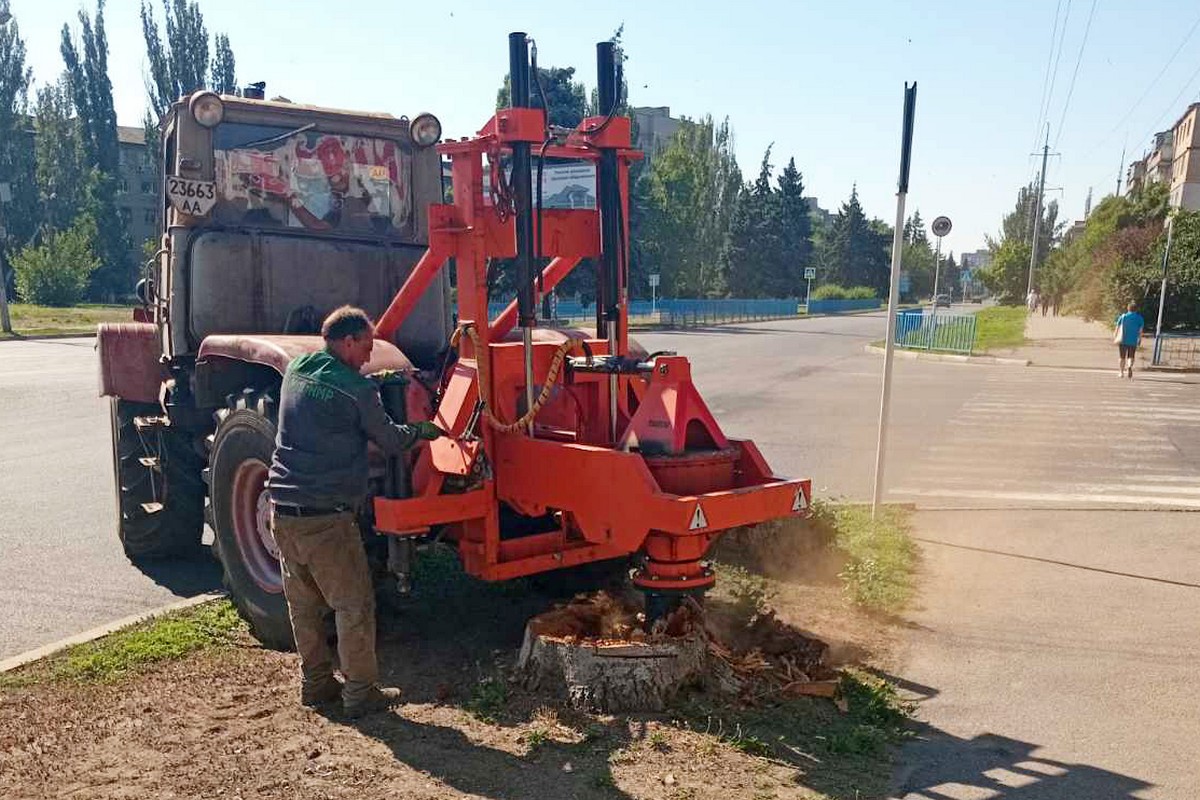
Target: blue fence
<point>841,306</point>
<point>679,313</point>
<point>1177,351</point>
<point>921,329</point>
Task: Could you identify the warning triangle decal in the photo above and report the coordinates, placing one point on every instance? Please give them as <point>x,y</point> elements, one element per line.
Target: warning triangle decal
<point>698,519</point>
<point>800,503</point>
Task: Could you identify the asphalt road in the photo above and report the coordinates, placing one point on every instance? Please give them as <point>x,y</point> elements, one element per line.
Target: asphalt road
<point>61,568</point>
<point>804,390</point>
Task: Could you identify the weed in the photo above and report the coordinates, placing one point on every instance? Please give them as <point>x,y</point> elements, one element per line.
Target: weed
<point>165,638</point>
<point>748,743</point>
<point>536,737</point>
<point>751,593</point>
<point>488,700</point>
<point>658,741</point>
<point>880,555</point>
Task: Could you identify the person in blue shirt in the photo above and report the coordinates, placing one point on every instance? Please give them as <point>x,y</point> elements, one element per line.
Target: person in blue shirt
<point>1128,335</point>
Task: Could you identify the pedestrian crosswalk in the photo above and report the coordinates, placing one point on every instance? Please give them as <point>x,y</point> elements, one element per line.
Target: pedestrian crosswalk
<point>1062,438</point>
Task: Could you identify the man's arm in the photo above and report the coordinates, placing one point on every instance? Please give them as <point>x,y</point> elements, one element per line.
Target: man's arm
<point>391,438</point>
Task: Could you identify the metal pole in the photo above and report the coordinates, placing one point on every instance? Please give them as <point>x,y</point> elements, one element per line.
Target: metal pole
<point>889,348</point>
<point>807,295</point>
<point>1162,294</point>
<point>5,322</point>
<point>1037,214</point>
<point>937,266</point>
<point>519,97</point>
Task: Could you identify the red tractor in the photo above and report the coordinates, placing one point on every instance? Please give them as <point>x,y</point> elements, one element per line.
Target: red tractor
<point>565,447</point>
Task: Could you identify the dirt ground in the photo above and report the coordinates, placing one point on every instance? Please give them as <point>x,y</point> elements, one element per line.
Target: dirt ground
<point>225,723</point>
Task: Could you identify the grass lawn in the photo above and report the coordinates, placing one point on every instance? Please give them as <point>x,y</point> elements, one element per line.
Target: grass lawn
<point>31,320</point>
<point>999,327</point>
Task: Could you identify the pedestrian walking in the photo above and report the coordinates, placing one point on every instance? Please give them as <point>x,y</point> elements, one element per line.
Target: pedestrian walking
<point>1031,301</point>
<point>1127,336</point>
<point>1056,301</point>
<point>1044,302</point>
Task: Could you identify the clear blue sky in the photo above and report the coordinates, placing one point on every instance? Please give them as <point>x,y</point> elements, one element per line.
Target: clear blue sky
<point>823,81</point>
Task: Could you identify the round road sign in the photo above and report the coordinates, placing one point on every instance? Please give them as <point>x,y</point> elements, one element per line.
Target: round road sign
<point>940,226</point>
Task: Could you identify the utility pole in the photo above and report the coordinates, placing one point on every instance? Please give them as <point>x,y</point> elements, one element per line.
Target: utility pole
<point>1162,292</point>
<point>1037,213</point>
<point>1120,170</point>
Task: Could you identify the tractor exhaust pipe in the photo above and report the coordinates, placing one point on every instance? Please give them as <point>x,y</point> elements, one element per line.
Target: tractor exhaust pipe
<point>519,97</point>
<point>609,200</point>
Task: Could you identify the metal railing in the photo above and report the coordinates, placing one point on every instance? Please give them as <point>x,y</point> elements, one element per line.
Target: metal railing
<point>921,329</point>
<point>1177,351</point>
<point>679,313</point>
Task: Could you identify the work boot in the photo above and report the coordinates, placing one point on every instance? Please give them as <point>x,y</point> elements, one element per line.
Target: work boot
<point>322,692</point>
<point>359,701</point>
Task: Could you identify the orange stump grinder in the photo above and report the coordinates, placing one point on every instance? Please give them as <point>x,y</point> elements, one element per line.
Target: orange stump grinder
<point>563,448</point>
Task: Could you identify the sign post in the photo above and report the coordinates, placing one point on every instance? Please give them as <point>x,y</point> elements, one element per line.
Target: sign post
<point>940,227</point>
<point>809,274</point>
<point>889,347</point>
<point>654,277</point>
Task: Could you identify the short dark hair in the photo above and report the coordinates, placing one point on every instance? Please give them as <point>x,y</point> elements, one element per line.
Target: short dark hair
<point>343,322</point>
<point>1132,306</point>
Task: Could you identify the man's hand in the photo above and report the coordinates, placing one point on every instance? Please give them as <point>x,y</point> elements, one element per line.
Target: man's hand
<point>428,431</point>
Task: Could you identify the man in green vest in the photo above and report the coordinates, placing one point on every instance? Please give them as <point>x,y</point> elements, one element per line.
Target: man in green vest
<point>318,482</point>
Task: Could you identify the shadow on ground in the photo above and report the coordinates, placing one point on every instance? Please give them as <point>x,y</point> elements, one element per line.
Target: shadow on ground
<point>942,766</point>
<point>185,577</point>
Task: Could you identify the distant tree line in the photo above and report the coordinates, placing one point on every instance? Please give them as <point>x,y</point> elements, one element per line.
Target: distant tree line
<point>63,234</point>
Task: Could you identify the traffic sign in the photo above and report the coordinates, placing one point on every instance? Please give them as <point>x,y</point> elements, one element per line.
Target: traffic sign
<point>654,276</point>
<point>810,273</point>
<point>940,226</point>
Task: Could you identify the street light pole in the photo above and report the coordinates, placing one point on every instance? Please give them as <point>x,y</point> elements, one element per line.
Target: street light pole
<point>1037,213</point>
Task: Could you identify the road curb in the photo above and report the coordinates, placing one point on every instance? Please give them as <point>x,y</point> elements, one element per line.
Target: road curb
<point>33,337</point>
<point>912,355</point>
<point>29,656</point>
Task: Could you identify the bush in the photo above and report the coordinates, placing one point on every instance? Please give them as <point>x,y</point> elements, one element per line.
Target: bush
<point>831,291</point>
<point>56,272</point>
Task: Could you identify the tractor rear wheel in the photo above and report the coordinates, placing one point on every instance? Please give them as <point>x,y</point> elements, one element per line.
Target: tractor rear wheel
<point>239,459</point>
<point>159,492</point>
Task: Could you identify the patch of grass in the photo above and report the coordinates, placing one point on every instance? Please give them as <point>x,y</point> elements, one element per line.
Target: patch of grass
<point>489,699</point>
<point>166,638</point>
<point>881,556</point>
<point>840,755</point>
<point>33,320</point>
<point>998,327</point>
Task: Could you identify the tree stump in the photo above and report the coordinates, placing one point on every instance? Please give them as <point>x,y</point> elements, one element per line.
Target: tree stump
<point>612,676</point>
<point>594,653</point>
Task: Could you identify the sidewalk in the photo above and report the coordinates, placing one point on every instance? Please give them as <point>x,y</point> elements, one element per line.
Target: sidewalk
<point>1069,342</point>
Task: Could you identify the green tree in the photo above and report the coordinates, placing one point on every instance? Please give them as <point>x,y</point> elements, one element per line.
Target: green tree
<point>566,98</point>
<point>690,192</point>
<point>18,187</point>
<point>914,229</point>
<point>753,246</point>
<point>91,95</point>
<point>1007,275</point>
<point>56,272</point>
<point>180,64</point>
<point>856,249</point>
<point>795,235</point>
<point>223,74</point>
<point>1018,223</point>
<point>59,158</point>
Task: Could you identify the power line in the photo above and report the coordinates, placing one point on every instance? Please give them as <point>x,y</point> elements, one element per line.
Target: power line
<point>1075,73</point>
<point>1153,83</point>
<point>1186,86</point>
<point>1037,126</point>
<point>1062,34</point>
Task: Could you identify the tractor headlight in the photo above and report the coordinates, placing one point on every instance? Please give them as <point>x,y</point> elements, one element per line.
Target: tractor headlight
<point>425,130</point>
<point>207,109</point>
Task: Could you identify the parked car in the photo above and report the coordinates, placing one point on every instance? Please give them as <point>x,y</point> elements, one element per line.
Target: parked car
<point>941,300</point>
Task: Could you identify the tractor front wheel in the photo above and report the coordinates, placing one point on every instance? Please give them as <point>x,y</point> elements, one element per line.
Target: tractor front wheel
<point>241,516</point>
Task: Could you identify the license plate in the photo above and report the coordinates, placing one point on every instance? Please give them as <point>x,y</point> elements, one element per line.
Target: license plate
<point>192,197</point>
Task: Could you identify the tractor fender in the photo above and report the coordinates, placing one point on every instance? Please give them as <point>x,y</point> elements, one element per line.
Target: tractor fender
<point>130,361</point>
<point>229,363</point>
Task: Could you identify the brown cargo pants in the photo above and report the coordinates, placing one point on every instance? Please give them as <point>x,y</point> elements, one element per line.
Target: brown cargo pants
<point>324,568</point>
